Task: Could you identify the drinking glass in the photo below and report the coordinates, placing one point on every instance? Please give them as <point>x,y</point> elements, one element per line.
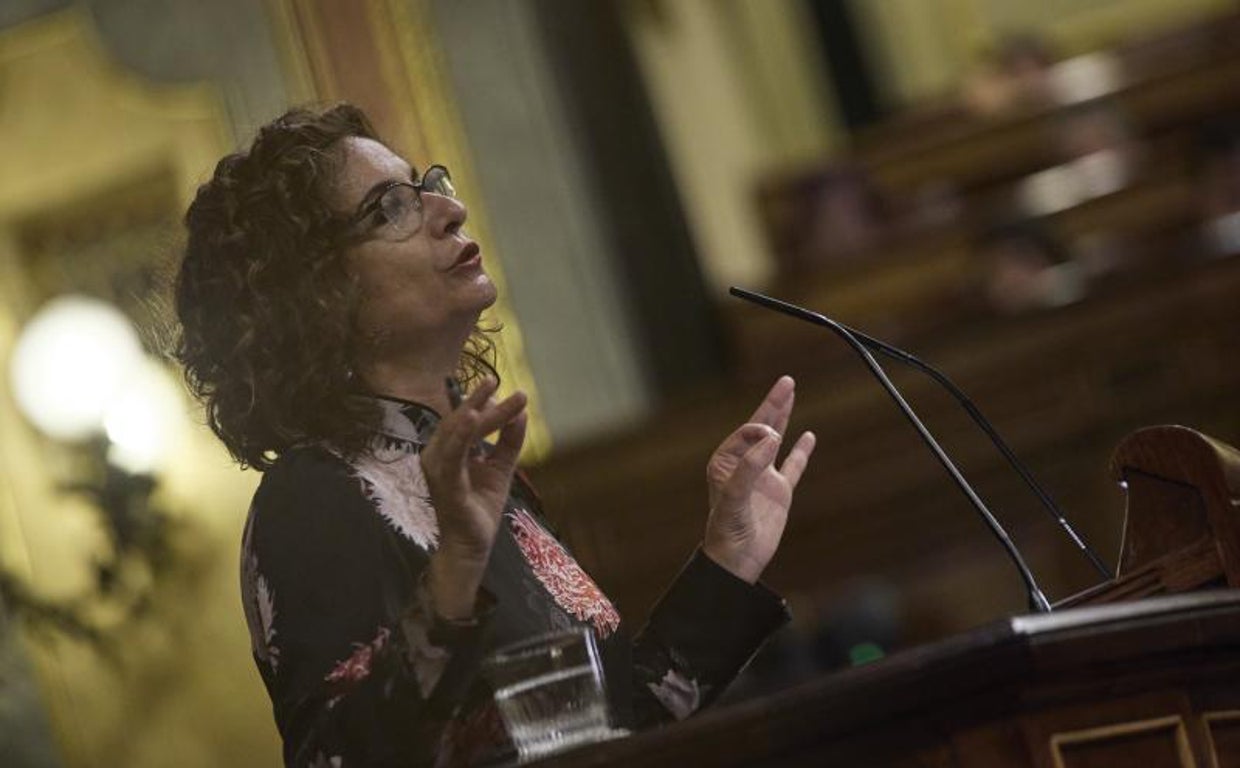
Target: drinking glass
<point>549,691</point>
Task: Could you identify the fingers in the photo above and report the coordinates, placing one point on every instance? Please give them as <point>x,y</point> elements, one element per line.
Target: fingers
<point>776,407</point>
<point>742,438</point>
<point>511,438</point>
<point>797,458</point>
<point>476,417</point>
<point>455,435</point>
<point>494,416</point>
<point>752,465</point>
<point>480,395</point>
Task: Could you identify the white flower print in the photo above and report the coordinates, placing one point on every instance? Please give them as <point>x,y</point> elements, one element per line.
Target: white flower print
<point>427,660</point>
<point>258,601</point>
<point>265,602</point>
<point>393,481</point>
<point>323,761</point>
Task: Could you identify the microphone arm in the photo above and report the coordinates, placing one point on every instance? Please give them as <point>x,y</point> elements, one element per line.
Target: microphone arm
<point>984,424</point>
<point>980,420</point>
<point>1037,600</point>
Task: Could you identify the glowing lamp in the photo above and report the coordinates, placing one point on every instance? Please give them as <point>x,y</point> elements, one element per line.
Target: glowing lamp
<point>143,421</point>
<point>70,364</point>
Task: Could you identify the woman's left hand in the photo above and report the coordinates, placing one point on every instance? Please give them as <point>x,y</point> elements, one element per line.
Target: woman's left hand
<point>749,496</point>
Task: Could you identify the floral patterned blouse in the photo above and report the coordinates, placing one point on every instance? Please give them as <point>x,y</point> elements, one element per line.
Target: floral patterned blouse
<point>360,672</point>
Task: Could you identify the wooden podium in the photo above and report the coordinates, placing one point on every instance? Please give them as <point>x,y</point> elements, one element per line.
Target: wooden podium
<point>1143,670</point>
<point>1182,525</point>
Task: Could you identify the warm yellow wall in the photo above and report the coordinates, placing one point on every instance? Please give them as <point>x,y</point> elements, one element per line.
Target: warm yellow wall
<point>784,76</point>
<point>920,48</point>
<point>738,90</point>
<point>924,47</point>
<point>184,693</point>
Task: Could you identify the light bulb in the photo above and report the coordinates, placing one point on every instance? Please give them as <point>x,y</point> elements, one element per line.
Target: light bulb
<point>69,363</point>
<point>144,419</point>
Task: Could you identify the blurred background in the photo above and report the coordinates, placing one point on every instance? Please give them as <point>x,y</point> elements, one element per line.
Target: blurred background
<point>1041,198</point>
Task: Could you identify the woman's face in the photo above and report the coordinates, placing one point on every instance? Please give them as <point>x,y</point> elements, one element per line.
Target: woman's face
<point>418,290</point>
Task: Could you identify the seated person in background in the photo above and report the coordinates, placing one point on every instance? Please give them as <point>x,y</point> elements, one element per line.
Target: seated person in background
<point>1100,130</point>
<point>1218,172</point>
<point>844,217</point>
<point>1100,155</point>
<point>1027,269</point>
<point>1013,75</point>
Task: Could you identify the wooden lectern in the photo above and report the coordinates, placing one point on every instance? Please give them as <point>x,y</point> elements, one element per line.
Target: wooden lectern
<point>1143,670</point>
<point>1182,525</point>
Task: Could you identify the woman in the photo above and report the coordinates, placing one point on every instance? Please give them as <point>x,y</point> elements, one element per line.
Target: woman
<point>329,299</point>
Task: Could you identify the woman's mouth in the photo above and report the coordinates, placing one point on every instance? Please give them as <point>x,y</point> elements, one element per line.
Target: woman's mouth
<point>469,257</point>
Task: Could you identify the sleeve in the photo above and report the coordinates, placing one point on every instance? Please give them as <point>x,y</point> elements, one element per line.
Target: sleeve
<point>701,634</point>
<point>359,670</point>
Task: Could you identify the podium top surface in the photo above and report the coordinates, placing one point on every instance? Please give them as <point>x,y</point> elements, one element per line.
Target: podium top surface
<point>999,668</point>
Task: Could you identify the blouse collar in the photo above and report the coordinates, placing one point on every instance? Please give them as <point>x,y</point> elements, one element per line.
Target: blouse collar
<point>405,419</point>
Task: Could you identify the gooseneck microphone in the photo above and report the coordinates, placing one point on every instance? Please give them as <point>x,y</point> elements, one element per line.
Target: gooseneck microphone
<point>972,410</point>
<point>1037,600</point>
<point>1052,509</point>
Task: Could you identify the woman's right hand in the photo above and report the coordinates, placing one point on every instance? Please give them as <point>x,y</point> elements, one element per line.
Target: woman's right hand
<point>468,488</point>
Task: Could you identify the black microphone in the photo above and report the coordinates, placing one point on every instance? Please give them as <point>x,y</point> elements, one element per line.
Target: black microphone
<point>1037,600</point>
<point>980,420</point>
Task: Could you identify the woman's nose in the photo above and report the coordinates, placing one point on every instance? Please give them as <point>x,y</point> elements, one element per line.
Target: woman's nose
<point>444,215</point>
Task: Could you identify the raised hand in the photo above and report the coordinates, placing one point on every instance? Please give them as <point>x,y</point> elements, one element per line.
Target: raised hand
<point>749,496</point>
<point>469,487</point>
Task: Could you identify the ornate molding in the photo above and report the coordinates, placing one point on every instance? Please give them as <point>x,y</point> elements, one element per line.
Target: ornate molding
<point>107,123</point>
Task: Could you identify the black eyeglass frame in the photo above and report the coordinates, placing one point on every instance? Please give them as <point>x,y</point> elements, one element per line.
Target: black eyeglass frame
<point>367,209</point>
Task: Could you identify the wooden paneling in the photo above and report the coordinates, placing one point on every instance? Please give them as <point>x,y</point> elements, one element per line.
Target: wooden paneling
<point>1223,735</point>
<point>1159,743</point>
<point>1113,686</point>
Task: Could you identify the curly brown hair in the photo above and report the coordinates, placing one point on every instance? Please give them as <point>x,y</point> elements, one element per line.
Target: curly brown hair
<point>267,309</point>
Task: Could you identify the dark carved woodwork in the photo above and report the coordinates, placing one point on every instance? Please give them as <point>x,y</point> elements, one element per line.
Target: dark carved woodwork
<point>1222,729</point>
<point>1207,470</point>
<point>1153,684</point>
<point>1182,525</point>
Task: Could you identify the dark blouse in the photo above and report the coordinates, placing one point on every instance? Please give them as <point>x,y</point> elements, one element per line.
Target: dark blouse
<point>359,671</point>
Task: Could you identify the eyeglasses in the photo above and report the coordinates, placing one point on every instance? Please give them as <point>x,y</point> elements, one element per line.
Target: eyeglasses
<point>397,209</point>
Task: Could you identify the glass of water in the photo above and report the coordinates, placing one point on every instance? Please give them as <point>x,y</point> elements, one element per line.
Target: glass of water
<point>549,691</point>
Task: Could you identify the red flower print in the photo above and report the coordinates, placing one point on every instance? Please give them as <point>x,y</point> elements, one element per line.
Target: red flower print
<point>572,588</point>
<point>356,668</point>
<point>474,738</point>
